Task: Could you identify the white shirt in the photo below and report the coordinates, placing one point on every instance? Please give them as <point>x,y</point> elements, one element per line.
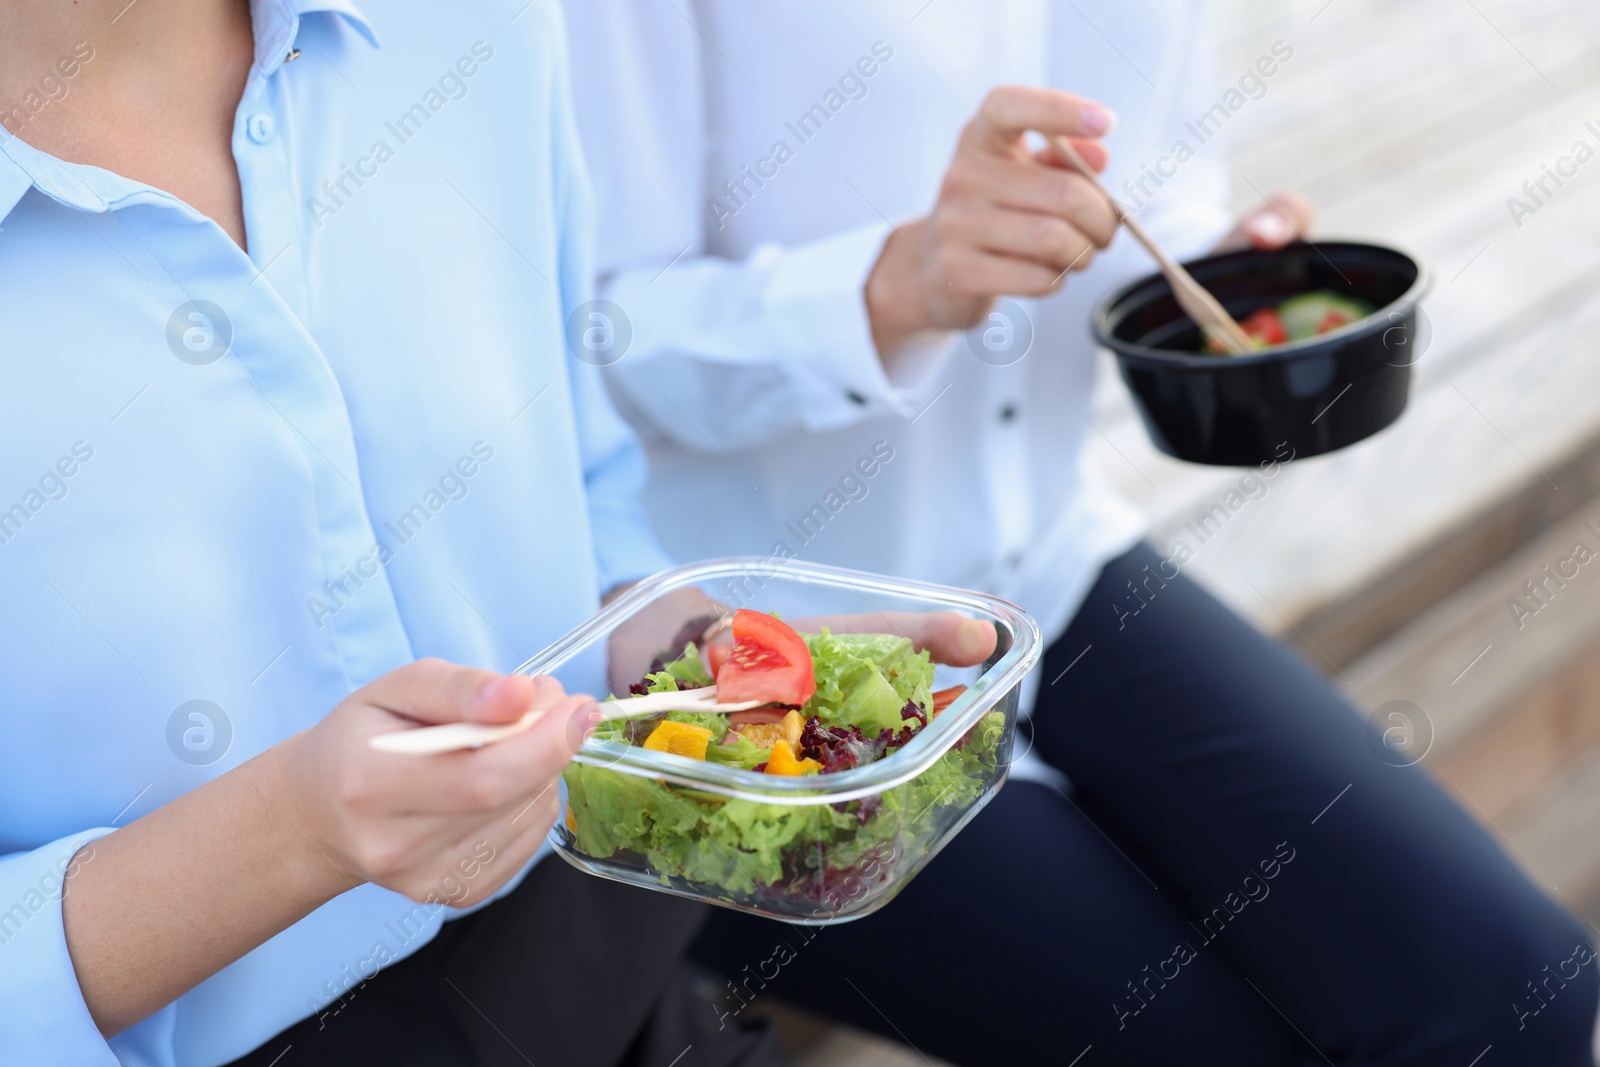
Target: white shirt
<point>751,370</point>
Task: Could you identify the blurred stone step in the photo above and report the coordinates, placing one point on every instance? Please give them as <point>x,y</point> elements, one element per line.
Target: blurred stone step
<point>1504,681</point>
<point>1556,835</point>
<point>1350,547</point>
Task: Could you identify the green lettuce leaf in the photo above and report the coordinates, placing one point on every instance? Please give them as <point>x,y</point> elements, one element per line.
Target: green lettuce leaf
<point>742,752</point>
<point>865,679</point>
<point>743,846</point>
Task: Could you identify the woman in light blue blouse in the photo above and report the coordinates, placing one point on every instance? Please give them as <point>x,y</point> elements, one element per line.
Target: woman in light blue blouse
<point>287,406</point>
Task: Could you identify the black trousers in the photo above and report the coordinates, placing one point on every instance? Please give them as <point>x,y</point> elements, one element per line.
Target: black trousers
<point>1241,875</point>
<point>566,969</point>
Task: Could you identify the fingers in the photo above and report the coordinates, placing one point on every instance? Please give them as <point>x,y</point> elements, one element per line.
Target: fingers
<point>1093,153</point>
<point>434,691</point>
<point>480,857</point>
<point>1011,110</point>
<point>1042,190</point>
<point>1284,218</point>
<point>953,639</point>
<point>1024,235</point>
<point>982,274</point>
<point>514,838</point>
<point>947,637</point>
<point>509,774</point>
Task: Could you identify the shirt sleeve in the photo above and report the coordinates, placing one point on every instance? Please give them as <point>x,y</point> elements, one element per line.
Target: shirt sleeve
<point>728,354</point>
<point>46,1019</point>
<point>725,353</point>
<point>614,465</point>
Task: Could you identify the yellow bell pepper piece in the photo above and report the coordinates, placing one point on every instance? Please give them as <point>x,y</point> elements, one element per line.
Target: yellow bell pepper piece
<point>782,761</point>
<point>680,739</point>
<point>794,724</point>
<point>763,734</point>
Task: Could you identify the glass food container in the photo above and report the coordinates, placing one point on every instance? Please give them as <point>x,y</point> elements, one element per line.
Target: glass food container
<point>815,849</point>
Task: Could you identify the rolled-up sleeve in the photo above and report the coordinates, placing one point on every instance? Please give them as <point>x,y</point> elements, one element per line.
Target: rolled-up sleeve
<point>729,354</point>
<point>45,1018</point>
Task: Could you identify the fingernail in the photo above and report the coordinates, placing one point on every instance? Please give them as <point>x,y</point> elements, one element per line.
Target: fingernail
<point>1098,121</point>
<point>1271,227</point>
<point>485,694</point>
<point>590,714</point>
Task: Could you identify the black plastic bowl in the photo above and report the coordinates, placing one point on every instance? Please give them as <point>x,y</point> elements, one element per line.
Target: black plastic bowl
<point>1300,399</point>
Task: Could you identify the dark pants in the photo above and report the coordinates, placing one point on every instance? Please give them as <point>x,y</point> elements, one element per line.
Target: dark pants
<point>1242,876</point>
<point>567,970</point>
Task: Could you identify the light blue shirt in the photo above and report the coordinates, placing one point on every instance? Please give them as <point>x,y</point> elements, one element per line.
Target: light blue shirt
<point>233,488</point>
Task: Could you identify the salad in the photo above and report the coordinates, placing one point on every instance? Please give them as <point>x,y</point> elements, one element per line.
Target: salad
<point>1297,318</point>
<point>831,702</point>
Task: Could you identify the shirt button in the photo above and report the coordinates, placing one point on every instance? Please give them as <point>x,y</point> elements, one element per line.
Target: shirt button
<point>260,128</point>
<point>1008,413</point>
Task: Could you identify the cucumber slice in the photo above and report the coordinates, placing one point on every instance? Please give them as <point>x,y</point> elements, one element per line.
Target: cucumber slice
<point>1303,314</point>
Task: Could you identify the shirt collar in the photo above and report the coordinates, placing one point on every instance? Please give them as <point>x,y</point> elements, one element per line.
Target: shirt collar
<point>276,22</point>
<point>14,181</point>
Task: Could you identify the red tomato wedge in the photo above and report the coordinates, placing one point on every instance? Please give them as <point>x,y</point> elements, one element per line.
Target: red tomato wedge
<point>945,697</point>
<point>717,654</point>
<point>1332,321</point>
<point>769,662</point>
<point>1265,326</point>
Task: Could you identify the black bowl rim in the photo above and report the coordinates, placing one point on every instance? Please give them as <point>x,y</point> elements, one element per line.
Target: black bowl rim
<point>1405,302</point>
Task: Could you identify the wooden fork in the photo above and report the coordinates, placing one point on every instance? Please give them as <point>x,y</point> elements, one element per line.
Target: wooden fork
<point>1192,297</point>
<point>454,736</point>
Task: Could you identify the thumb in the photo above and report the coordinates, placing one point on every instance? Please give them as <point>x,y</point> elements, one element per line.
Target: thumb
<point>434,691</point>
<point>508,697</point>
<point>1092,152</point>
<point>947,637</point>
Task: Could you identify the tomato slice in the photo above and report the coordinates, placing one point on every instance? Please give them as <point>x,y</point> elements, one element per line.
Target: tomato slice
<point>769,662</point>
<point>717,650</point>
<point>1332,321</point>
<point>1265,326</point>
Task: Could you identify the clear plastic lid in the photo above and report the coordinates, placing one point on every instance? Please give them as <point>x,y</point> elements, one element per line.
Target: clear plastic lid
<point>792,588</point>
